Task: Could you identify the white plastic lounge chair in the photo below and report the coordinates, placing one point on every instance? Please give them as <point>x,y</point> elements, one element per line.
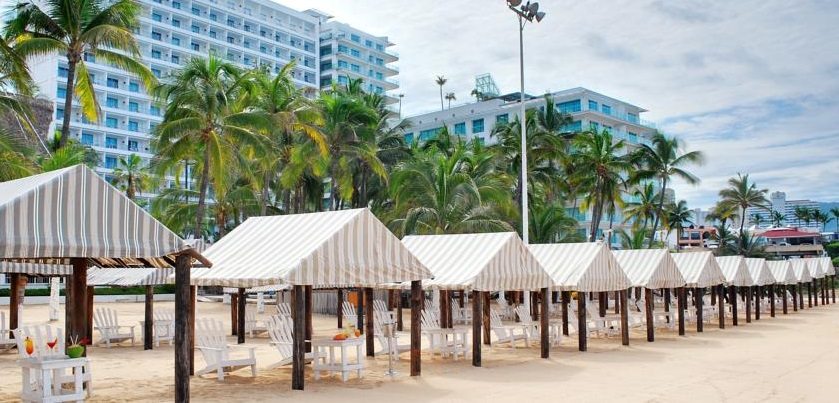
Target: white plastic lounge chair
<point>349,312</point>
<point>40,336</point>
<point>164,326</point>
<point>212,343</point>
<point>381,319</point>
<point>284,309</point>
<point>507,333</point>
<point>6,342</point>
<point>252,325</point>
<point>281,331</point>
<point>460,315</point>
<point>380,306</point>
<point>431,329</point>
<point>110,331</point>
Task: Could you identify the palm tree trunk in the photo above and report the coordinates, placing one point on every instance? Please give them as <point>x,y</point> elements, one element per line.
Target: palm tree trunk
<point>263,209</point>
<point>72,60</point>
<point>658,213</point>
<point>742,223</point>
<point>441,98</point>
<point>202,193</point>
<point>130,190</point>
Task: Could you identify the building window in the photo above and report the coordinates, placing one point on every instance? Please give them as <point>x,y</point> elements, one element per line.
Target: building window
<point>59,113</point>
<point>380,62</point>
<point>89,57</point>
<point>633,138</point>
<point>342,49</point>
<point>592,105</point>
<point>133,126</point>
<point>380,47</point>
<point>594,126</point>
<point>230,39</point>
<point>156,35</point>
<point>111,142</point>
<point>61,93</point>
<point>213,34</point>
<point>607,128</point>
<point>355,53</point>
<point>356,68</point>
<point>153,110</point>
<point>478,126</point>
<point>213,17</point>
<point>342,80</point>
<point>133,107</point>
<point>196,11</point>
<point>156,73</point>
<point>606,109</point>
<point>132,145</point>
<point>176,23</point>
<point>110,162</point>
<point>176,41</point>
<point>380,90</point>
<point>195,28</point>
<point>87,139</point>
<point>112,123</point>
<point>573,127</point>
<point>112,103</point>
<point>176,59</point>
<point>368,43</point>
<point>355,38</point>
<point>409,138</point>
<point>112,83</point>
<point>632,117</point>
<point>428,134</point>
<point>133,87</point>
<point>196,47</point>
<point>176,5</point>
<point>570,106</point>
<point>156,17</point>
<point>155,54</point>
<point>460,129</point>
<point>63,72</point>
<point>342,64</point>
<point>379,76</point>
<point>503,118</point>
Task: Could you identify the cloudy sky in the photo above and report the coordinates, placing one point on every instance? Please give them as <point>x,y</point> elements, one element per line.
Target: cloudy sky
<point>752,83</point>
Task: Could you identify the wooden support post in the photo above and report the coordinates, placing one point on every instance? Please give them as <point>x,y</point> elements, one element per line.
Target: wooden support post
<point>794,298</point>
<point>486,318</point>
<point>833,288</point>
<point>399,326</point>
<point>535,298</point>
<point>359,310</point>
<point>809,295</point>
<point>581,321</point>
<point>784,298</point>
<point>477,312</point>
<point>240,315</point>
<point>89,319</point>
<point>183,332</point>
<point>666,292</point>
<point>758,296</point>
<point>800,296</point>
<point>771,290</point>
<point>698,292</point>
<point>76,306</point>
<point>747,291</point>
<point>721,301</point>
<point>648,297</point>
<point>148,329</point>
<point>416,352</point>
<point>713,296</point>
<point>340,311</point>
<point>234,314</point>
<point>461,298</point>
<point>18,290</point>
<point>565,297</point>
<point>368,311</point>
<point>298,335</point>
<point>814,290</point>
<point>680,301</point>
<point>732,299</point>
<point>824,290</point>
<point>309,310</point>
<point>601,303</point>
<point>193,297</point>
<point>622,296</point>
<point>544,325</point>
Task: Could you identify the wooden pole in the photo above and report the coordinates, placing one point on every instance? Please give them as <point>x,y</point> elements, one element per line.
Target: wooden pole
<point>399,311</point>
<point>581,321</point>
<point>800,296</point>
<point>89,319</point>
<point>368,311</point>
<point>814,289</point>
<point>240,315</point>
<point>771,301</point>
<point>148,330</point>
<point>193,297</point>
<point>298,348</point>
<point>809,295</point>
<point>416,352</point>
<point>747,291</point>
<point>359,310</point>
<point>733,301</point>
<point>758,296</point>
<point>543,324</point>
<point>309,308</point>
<point>234,314</point>
<point>76,305</point>
<point>622,296</point>
<point>340,311</point>
<point>713,296</point>
<point>183,331</point>
<point>565,297</point>
<point>18,285</point>
<point>648,297</point>
<point>601,303</point>
<point>477,311</point>
<point>680,301</point>
<point>784,298</point>
<point>794,298</point>
<point>698,292</point>
<point>721,301</point>
<point>486,318</point>
<point>833,288</point>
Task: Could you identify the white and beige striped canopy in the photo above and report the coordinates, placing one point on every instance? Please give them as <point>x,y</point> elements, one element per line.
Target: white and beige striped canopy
<point>735,271</point>
<point>130,276</point>
<point>35,268</point>
<point>759,271</point>
<point>700,269</point>
<point>74,213</point>
<point>348,248</point>
<point>782,271</point>
<point>585,267</point>
<point>650,268</point>
<point>827,265</point>
<point>801,270</point>
<point>816,267</point>
<point>478,262</point>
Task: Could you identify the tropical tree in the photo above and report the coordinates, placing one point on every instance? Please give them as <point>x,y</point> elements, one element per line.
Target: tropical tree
<point>15,83</point>
<point>726,240</point>
<point>777,218</point>
<point>633,239</point>
<point>756,219</point>
<point>75,29</point>
<point>820,217</point>
<point>73,153</point>
<point>802,214</point>
<point>441,81</point>
<point>743,194</point>
<point>132,175</point>
<point>723,212</point>
<point>450,97</point>
<point>663,160</point>
<point>205,122</point>
<point>676,216</point>
<point>835,213</point>
<point>549,223</point>
<point>15,159</point>
<point>644,209</point>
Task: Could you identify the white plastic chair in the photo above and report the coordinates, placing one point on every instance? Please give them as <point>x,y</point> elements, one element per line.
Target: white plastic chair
<point>6,342</point>
<point>40,335</point>
<point>252,325</point>
<point>381,319</point>
<point>212,343</point>
<point>506,333</point>
<point>110,331</point>
<point>284,309</point>
<point>281,331</point>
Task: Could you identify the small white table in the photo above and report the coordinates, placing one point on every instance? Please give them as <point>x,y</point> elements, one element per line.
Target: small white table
<point>324,356</point>
<point>43,378</point>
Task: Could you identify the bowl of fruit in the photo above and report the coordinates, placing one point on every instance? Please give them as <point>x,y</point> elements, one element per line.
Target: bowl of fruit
<point>347,333</point>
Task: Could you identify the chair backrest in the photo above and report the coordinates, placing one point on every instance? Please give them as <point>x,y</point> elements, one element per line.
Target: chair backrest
<point>106,318</point>
<point>210,333</point>
<point>164,315</point>
<point>281,330</point>
<point>591,311</point>
<point>284,309</point>
<point>430,320</point>
<point>380,306</point>
<point>524,315</point>
<point>348,308</point>
<point>3,329</point>
<point>39,336</point>
<point>250,314</point>
<point>495,318</point>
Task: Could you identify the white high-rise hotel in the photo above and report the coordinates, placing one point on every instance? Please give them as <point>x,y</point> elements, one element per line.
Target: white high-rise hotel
<point>250,33</point>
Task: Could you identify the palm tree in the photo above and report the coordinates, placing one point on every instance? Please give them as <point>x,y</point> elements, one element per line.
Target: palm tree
<point>726,240</point>
<point>15,159</point>
<point>204,122</point>
<point>723,212</point>
<point>479,96</point>
<point>835,213</point>
<point>820,217</point>
<point>802,213</point>
<point>441,81</point>
<point>601,172</point>
<point>644,209</point>
<point>663,160</point>
<point>15,83</point>
<point>676,216</point>
<point>743,194</point>
<point>756,219</point>
<point>132,175</point>
<point>633,239</point>
<point>450,97</point>
<point>549,223</point>
<point>74,29</point>
<point>777,218</point>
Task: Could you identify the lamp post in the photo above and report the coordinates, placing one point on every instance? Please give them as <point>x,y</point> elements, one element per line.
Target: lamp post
<point>400,104</point>
<point>526,13</point>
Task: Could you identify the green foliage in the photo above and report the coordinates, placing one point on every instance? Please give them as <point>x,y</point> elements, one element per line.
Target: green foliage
<point>832,249</point>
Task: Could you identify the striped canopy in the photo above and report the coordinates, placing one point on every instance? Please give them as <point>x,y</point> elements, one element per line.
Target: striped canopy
<point>735,271</point>
<point>827,266</point>
<point>782,271</point>
<point>700,269</point>
<point>816,267</point>
<point>585,267</point>
<point>347,248</point>
<point>130,277</point>
<point>479,262</point>
<point>759,271</point>
<point>35,268</point>
<point>801,270</point>
<point>74,213</point>
<point>650,268</point>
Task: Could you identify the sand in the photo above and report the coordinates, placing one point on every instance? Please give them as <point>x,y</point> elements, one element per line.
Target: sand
<point>786,358</point>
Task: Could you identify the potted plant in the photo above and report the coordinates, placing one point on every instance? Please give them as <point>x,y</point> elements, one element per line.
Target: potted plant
<point>76,347</point>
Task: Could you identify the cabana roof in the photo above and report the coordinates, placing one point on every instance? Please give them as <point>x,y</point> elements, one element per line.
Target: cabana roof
<point>478,262</point>
<point>130,276</point>
<point>74,213</point>
<point>782,271</point>
<point>346,248</point>
<point>827,266</point>
<point>650,268</point>
<point>802,272</point>
<point>35,269</point>
<point>700,269</point>
<point>735,270</point>
<point>585,267</point>
<point>759,271</point>
<point>817,269</point>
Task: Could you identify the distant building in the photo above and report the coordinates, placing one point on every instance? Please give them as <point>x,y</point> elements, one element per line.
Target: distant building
<point>698,236</point>
<point>779,202</point>
<point>792,242</point>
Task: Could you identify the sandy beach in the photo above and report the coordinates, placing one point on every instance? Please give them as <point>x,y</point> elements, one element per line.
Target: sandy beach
<point>786,358</point>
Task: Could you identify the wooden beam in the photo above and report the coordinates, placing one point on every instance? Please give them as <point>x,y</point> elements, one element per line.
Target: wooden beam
<point>416,351</point>
<point>581,321</point>
<point>748,293</point>
<point>477,312</point>
<point>234,314</point>
<point>193,299</point>
<point>399,326</point>
<point>784,302</point>
<point>298,348</point>
<point>309,308</point>
<point>340,310</point>
<point>732,299</point>
<point>565,297</point>
<point>809,295</point>
<point>698,292</point>
<point>544,325</point>
<point>622,298</point>
<point>815,291</point>
<point>148,330</point>
<point>77,305</point>
<point>240,315</point>
<point>183,331</point>
<point>359,310</point>
<point>18,285</point>
<point>772,300</point>
<point>680,301</point>
<point>371,347</point>
<point>648,302</point>
<point>794,294</point>
<point>602,301</point>
<point>833,288</point>
<point>758,296</point>
<point>721,304</point>
<point>800,296</point>
<point>486,320</point>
